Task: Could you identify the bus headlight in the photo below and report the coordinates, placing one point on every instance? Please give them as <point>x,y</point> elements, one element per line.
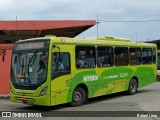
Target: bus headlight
<point>43,91</point>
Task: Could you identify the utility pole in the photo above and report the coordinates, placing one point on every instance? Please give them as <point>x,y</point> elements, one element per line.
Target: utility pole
<point>16,29</point>
<point>97,22</point>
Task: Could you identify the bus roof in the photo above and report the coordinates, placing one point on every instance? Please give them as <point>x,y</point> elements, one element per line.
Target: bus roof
<point>110,41</point>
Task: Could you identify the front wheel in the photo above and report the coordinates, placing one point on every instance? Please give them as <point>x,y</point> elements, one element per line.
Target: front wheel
<point>78,97</point>
<point>132,86</point>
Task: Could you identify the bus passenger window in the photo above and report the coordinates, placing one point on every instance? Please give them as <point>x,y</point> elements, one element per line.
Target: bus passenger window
<point>154,55</point>
<point>121,56</point>
<point>135,56</point>
<point>146,55</point>
<point>80,58</point>
<point>105,56</point>
<point>85,57</point>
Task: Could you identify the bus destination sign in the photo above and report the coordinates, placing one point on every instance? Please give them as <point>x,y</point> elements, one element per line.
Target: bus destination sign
<point>30,45</point>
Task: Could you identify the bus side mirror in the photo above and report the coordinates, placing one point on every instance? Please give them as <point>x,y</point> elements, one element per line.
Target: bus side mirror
<point>56,46</point>
<point>53,46</point>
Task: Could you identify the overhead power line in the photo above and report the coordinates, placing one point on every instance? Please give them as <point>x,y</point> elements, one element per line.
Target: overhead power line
<point>128,21</point>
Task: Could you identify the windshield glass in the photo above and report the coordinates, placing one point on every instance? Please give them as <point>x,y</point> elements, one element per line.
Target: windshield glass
<point>29,68</point>
<point>29,63</point>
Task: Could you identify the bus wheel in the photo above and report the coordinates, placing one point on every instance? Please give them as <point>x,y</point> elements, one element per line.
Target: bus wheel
<point>132,87</point>
<point>78,97</point>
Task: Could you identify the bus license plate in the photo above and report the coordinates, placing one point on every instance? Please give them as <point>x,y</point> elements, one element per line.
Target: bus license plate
<point>24,99</point>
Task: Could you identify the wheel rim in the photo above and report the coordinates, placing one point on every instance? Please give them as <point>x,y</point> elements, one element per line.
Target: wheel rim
<point>77,96</point>
<point>133,86</point>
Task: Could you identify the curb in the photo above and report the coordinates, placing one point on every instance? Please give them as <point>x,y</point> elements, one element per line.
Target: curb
<point>4,97</point>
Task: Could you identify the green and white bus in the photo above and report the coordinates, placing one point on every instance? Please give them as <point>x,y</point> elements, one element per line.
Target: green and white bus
<point>54,70</point>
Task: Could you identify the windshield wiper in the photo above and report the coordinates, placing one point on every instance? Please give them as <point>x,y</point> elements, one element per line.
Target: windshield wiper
<point>21,62</point>
<point>31,61</point>
<point>19,59</point>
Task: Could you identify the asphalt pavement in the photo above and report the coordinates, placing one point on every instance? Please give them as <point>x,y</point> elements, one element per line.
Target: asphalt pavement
<point>119,104</point>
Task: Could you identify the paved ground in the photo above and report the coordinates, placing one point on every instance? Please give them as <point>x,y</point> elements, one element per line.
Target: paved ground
<point>147,99</point>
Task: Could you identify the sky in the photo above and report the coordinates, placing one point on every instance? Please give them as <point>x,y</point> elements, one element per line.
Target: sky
<point>138,20</point>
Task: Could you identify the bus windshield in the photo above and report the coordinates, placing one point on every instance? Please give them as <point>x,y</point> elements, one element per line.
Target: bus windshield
<point>29,66</point>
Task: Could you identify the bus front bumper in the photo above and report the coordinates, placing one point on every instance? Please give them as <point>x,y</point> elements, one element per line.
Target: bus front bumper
<point>39,100</point>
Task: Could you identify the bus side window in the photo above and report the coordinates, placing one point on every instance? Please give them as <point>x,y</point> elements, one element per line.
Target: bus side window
<point>146,56</point>
<point>121,56</point>
<point>135,56</point>
<point>80,59</point>
<point>60,64</point>
<point>105,56</point>
<point>154,55</point>
<point>90,59</point>
<point>85,57</point>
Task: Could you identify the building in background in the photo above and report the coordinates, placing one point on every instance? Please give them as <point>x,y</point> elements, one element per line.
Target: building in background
<point>10,31</point>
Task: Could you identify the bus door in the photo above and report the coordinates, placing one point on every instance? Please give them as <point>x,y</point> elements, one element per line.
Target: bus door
<point>60,75</point>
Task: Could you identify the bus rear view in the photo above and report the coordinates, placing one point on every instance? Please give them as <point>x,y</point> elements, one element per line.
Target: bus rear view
<point>29,66</point>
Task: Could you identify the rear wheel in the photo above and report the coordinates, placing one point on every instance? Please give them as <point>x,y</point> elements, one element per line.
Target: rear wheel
<point>78,97</point>
<point>132,86</point>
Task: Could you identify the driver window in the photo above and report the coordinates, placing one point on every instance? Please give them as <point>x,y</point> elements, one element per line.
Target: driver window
<point>60,63</point>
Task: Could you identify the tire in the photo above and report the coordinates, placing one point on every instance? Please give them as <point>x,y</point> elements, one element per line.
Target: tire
<point>78,97</point>
<point>132,87</point>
